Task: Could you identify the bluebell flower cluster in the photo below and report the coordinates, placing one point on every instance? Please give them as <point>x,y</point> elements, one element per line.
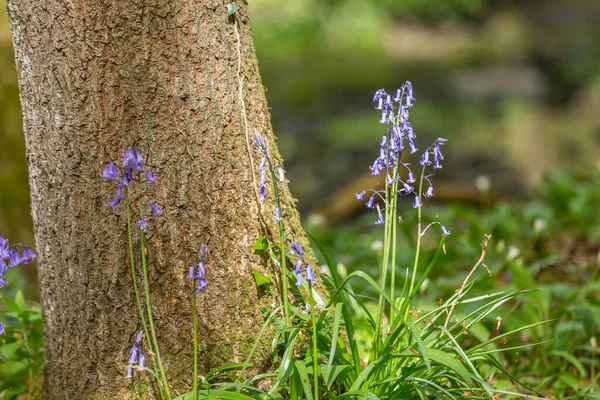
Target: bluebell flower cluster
<point>10,257</point>
<point>136,357</point>
<point>400,135</point>
<point>301,265</point>
<point>264,170</point>
<point>132,170</point>
<point>197,272</point>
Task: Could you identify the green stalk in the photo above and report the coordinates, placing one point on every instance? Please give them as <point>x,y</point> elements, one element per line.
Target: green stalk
<point>284,277</point>
<point>314,340</point>
<point>418,249</point>
<point>394,228</point>
<point>148,308</point>
<point>135,288</point>
<point>195,321</point>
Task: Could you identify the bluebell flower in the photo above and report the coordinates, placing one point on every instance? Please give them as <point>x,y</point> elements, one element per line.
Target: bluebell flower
<point>110,172</point>
<point>277,216</point>
<point>136,357</point>
<point>28,255</point>
<point>445,232</point>
<point>380,219</point>
<point>156,209</point>
<point>281,175</point>
<point>298,271</point>
<point>14,259</point>
<point>197,272</point>
<point>143,224</point>
<point>201,277</point>
<point>262,193</point>
<point>369,203</point>
<point>10,257</point>
<point>407,188</point>
<point>115,202</point>
<point>296,248</point>
<point>1,326</point>
<point>417,201</point>
<point>429,192</point>
<point>133,160</point>
<point>310,274</point>
<point>150,178</point>
<point>133,168</point>
<point>425,158</point>
<point>361,195</point>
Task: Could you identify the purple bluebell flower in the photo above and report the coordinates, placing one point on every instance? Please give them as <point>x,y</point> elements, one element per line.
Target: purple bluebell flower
<point>260,142</point>
<point>110,172</point>
<point>14,259</point>
<point>361,195</point>
<point>425,158</point>
<point>156,209</point>
<point>429,192</point>
<point>298,271</point>
<point>379,94</point>
<point>197,271</point>
<point>203,251</point>
<point>136,358</point>
<point>310,274</point>
<point>369,203</point>
<point>407,188</point>
<point>192,273</point>
<point>115,202</point>
<point>201,277</point>
<point>28,255</point>
<point>2,330</point>
<point>380,219</point>
<point>262,193</point>
<point>445,232</point>
<point>10,257</point>
<point>411,177</point>
<point>143,224</point>
<point>417,201</point>
<point>150,178</point>
<point>296,248</point>
<point>133,160</point>
<point>277,216</point>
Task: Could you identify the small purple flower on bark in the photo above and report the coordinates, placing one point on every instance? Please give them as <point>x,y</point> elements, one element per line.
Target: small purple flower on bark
<point>110,172</point>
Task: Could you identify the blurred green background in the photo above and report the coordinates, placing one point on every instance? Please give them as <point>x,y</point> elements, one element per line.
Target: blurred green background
<point>514,85</point>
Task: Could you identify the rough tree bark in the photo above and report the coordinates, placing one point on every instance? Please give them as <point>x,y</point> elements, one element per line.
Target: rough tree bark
<point>96,77</point>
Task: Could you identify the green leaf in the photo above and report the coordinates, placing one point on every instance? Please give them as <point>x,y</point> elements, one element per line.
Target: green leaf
<point>19,299</point>
<point>10,304</point>
<point>261,279</point>
<point>446,359</point>
<point>301,369</point>
<point>261,244</point>
<point>330,373</point>
<point>420,345</point>
<point>8,350</point>
<point>231,8</point>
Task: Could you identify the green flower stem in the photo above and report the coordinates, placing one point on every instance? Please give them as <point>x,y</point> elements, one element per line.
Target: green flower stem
<point>135,288</point>
<point>195,322</point>
<point>394,212</point>
<point>383,274</point>
<point>418,249</point>
<point>314,342</point>
<point>149,309</point>
<point>284,278</point>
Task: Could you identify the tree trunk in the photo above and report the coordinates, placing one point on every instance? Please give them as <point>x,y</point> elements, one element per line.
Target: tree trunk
<point>175,79</point>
